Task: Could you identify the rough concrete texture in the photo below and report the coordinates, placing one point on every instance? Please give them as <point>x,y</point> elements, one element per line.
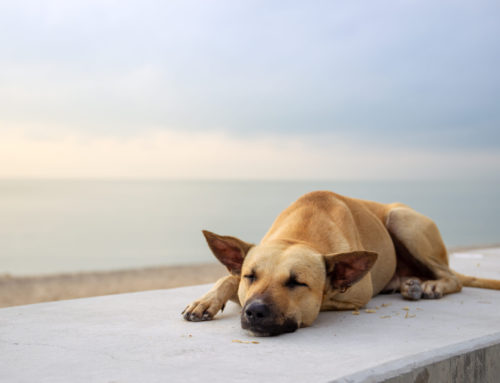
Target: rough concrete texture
<point>480,365</point>
<point>141,337</point>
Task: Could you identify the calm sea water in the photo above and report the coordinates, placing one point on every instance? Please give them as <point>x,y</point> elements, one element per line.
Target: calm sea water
<point>49,226</point>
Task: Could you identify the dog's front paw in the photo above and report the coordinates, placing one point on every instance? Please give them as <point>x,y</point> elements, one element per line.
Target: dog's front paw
<point>202,310</point>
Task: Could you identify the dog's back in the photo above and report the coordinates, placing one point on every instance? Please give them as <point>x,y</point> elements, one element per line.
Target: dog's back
<point>332,223</point>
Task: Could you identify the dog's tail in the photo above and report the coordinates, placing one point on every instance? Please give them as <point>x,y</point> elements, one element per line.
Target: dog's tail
<point>482,283</point>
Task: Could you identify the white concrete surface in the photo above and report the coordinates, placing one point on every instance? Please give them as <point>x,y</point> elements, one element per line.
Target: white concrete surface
<point>141,337</point>
<point>484,263</point>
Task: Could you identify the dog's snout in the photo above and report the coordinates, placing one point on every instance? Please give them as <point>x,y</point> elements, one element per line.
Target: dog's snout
<point>257,311</point>
<point>263,319</point>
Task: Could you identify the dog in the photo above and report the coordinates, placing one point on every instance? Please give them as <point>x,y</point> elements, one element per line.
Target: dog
<point>329,252</point>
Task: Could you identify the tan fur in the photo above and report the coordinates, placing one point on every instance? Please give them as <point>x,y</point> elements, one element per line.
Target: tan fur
<point>308,240</point>
<point>478,282</point>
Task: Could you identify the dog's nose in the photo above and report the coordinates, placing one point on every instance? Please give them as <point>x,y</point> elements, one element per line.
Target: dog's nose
<point>257,311</point>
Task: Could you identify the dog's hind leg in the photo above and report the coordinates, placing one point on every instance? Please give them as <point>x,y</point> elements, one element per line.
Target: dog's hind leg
<point>409,287</point>
<point>419,245</point>
<point>209,304</point>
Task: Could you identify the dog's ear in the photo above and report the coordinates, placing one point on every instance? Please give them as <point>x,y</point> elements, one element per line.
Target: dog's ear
<point>230,251</point>
<point>345,269</point>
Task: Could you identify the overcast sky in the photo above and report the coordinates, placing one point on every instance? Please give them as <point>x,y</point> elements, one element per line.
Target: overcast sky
<point>250,89</point>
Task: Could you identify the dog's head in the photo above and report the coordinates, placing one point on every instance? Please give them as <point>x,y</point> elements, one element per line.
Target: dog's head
<point>282,284</point>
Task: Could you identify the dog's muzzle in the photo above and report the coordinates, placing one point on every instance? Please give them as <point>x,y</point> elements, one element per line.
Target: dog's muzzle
<point>261,319</point>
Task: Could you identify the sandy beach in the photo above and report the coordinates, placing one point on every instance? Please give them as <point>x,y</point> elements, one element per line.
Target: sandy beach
<point>16,290</point>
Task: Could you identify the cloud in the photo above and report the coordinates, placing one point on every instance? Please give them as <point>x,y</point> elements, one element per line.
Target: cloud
<point>228,89</point>
<point>207,155</point>
<point>398,70</point>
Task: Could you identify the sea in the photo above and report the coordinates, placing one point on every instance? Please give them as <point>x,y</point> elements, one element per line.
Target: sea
<point>59,226</point>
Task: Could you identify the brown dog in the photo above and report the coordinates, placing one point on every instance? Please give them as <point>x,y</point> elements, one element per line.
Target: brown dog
<point>329,252</point>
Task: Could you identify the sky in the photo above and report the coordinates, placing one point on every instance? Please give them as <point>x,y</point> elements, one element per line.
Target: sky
<point>250,89</point>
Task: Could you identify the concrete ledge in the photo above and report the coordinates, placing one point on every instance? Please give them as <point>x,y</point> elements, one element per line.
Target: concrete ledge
<point>140,337</point>
<point>480,365</point>
<point>471,361</point>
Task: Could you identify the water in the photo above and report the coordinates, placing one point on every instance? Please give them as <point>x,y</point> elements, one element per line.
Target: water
<point>49,226</point>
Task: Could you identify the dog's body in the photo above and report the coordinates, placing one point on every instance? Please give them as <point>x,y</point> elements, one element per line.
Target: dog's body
<point>329,252</point>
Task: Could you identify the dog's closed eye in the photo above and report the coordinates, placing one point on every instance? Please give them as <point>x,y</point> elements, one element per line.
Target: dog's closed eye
<point>251,277</point>
<point>293,282</point>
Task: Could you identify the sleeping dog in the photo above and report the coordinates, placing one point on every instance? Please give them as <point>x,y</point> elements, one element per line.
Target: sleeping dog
<point>329,252</point>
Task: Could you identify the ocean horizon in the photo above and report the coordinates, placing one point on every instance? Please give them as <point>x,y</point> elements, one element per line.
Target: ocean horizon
<point>55,226</point>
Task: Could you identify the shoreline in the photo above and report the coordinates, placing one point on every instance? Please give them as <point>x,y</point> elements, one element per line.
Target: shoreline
<point>24,290</point>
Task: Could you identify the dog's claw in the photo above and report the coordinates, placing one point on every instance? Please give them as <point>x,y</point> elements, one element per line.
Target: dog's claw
<point>432,295</point>
<point>203,309</point>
